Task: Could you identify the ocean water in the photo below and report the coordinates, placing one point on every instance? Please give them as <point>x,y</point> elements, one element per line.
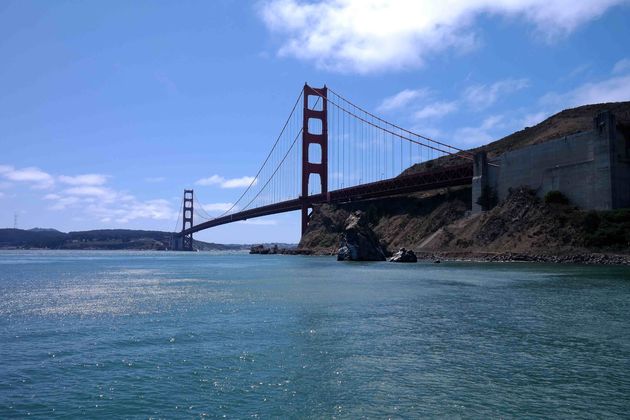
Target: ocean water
<point>124,334</point>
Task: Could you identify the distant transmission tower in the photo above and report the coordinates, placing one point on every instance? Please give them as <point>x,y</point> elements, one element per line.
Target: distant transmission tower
<point>15,220</point>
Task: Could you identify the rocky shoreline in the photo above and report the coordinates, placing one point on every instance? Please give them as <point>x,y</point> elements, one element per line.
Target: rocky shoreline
<point>358,242</point>
<point>276,250</point>
<point>577,258</point>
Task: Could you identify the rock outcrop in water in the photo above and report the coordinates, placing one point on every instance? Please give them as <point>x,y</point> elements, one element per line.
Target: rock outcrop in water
<point>358,241</point>
<point>275,249</point>
<point>404,256</point>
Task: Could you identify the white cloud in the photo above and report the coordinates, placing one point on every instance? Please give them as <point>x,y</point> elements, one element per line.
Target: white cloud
<point>158,209</point>
<point>86,179</point>
<point>108,205</point>
<point>475,136</point>
<point>622,66</point>
<point>242,182</point>
<point>211,180</point>
<point>63,202</point>
<point>435,110</point>
<point>87,193</point>
<point>614,89</point>
<point>365,36</point>
<point>238,182</point>
<point>482,96</point>
<point>401,99</point>
<point>91,191</point>
<point>123,213</point>
<point>1,194</point>
<point>217,207</point>
<point>41,179</point>
<point>38,178</point>
<point>476,97</point>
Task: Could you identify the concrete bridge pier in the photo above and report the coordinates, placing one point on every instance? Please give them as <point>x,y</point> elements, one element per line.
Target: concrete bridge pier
<point>484,183</point>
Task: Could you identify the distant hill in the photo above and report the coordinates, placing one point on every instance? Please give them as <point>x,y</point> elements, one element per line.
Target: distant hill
<point>564,123</point>
<point>106,239</point>
<point>43,230</point>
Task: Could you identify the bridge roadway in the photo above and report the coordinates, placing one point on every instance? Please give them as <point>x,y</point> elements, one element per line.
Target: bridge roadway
<point>404,184</point>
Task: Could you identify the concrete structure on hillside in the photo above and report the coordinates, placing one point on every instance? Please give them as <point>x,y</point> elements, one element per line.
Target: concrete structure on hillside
<point>591,168</point>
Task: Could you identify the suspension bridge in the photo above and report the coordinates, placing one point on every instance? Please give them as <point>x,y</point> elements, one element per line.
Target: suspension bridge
<point>330,150</point>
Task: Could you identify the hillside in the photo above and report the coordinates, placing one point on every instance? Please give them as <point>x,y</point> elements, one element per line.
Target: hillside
<point>438,222</point>
<point>525,223</point>
<point>108,239</point>
<point>398,221</point>
<point>564,123</point>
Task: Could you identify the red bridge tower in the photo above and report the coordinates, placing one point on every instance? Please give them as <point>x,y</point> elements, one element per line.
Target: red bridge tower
<point>187,217</point>
<point>314,132</point>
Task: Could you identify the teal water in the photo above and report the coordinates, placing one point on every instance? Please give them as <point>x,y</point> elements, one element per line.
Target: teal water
<point>111,334</point>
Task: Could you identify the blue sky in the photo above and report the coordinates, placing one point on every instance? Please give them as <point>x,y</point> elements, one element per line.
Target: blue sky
<point>109,109</point>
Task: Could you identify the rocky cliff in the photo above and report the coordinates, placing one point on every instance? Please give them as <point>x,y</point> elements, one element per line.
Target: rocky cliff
<point>439,222</point>
<point>398,222</point>
<point>521,227</point>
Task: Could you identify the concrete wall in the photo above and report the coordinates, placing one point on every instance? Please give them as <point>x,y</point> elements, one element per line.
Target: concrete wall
<point>621,169</point>
<point>591,168</point>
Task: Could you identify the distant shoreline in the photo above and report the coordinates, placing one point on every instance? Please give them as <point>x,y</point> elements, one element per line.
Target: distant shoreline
<point>106,239</point>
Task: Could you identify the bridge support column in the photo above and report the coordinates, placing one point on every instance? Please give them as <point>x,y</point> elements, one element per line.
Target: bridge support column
<point>315,109</point>
<point>484,184</point>
<point>187,217</point>
<point>480,181</point>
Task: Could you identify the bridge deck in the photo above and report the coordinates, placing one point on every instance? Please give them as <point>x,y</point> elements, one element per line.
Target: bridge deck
<point>423,181</point>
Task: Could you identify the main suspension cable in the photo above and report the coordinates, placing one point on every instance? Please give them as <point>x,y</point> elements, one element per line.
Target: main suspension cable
<point>465,155</point>
<point>268,155</point>
<point>396,126</point>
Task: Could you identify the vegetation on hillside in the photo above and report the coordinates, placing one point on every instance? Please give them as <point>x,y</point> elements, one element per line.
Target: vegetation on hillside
<point>106,239</point>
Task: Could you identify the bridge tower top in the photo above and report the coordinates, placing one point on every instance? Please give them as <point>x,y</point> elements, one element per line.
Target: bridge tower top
<point>187,220</point>
<point>314,132</point>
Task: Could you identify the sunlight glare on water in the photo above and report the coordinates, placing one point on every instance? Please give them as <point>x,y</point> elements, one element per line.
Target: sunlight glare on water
<point>104,334</point>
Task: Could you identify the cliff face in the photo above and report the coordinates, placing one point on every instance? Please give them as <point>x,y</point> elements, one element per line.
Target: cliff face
<point>523,223</point>
<point>397,221</point>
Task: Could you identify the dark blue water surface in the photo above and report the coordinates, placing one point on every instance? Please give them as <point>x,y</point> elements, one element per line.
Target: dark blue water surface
<point>105,334</point>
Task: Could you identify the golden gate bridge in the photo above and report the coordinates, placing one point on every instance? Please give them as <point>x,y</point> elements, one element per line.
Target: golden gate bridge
<point>330,150</point>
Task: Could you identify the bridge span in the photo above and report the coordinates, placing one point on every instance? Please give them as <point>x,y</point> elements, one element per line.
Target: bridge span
<point>332,151</point>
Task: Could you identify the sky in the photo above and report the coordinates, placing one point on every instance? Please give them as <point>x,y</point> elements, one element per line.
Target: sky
<point>109,109</point>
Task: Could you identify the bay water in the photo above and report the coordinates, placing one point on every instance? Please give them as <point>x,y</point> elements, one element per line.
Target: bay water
<point>93,334</point>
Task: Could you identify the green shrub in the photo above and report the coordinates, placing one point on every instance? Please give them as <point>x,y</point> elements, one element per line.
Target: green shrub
<point>591,222</point>
<point>610,229</point>
<point>617,216</point>
<point>556,197</point>
<point>610,236</point>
